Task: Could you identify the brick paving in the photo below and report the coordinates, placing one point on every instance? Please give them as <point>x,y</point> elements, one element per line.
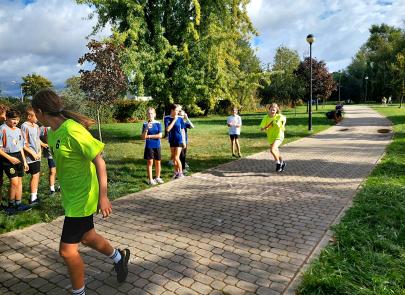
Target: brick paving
<point>239,228</point>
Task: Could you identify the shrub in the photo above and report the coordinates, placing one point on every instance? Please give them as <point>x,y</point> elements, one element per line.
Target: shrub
<point>130,110</point>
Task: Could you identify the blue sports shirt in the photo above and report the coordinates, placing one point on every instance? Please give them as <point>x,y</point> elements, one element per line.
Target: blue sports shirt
<point>156,129</point>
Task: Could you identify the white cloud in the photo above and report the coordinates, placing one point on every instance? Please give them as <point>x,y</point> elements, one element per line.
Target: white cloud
<point>340,26</point>
<point>45,37</point>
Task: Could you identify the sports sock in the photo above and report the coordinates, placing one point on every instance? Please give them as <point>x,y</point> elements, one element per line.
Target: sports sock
<point>11,203</point>
<point>52,188</point>
<point>78,291</point>
<point>17,202</point>
<point>33,197</point>
<point>278,162</point>
<point>116,256</point>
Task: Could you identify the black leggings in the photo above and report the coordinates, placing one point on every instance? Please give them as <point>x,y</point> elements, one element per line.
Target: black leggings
<point>183,157</point>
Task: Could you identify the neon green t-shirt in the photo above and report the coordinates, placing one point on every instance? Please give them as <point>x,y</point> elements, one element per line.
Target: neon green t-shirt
<point>73,149</point>
<point>276,130</point>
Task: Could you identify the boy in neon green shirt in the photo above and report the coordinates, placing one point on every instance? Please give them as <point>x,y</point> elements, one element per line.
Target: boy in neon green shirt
<point>83,180</point>
<point>274,125</point>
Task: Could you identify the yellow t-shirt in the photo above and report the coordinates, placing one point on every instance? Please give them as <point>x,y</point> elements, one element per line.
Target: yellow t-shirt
<point>276,130</point>
<point>73,149</point>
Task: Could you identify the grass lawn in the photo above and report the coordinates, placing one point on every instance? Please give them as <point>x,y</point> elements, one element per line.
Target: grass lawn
<point>369,254</point>
<point>209,146</point>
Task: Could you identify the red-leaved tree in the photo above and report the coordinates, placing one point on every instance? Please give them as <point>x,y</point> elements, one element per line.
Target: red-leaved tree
<point>107,81</point>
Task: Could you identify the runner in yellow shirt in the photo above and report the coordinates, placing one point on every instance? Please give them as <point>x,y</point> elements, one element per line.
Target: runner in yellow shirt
<point>82,176</point>
<point>274,124</point>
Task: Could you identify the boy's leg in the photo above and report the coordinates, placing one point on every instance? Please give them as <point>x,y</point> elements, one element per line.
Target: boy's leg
<point>232,144</point>
<point>13,189</point>
<point>34,186</point>
<point>177,152</point>
<point>71,256</point>
<point>237,146</point>
<point>52,178</point>
<point>149,164</point>
<point>158,168</point>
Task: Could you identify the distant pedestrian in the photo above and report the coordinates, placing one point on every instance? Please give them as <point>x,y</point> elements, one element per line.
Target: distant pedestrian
<point>174,128</point>
<point>274,125</point>
<point>82,176</point>
<point>152,133</point>
<point>384,101</point>
<point>389,99</point>
<point>234,123</point>
<point>187,125</point>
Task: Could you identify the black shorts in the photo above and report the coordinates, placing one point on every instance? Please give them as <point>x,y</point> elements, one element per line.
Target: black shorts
<point>75,227</point>
<point>175,144</point>
<point>34,167</point>
<point>12,170</point>
<point>234,136</point>
<point>1,167</point>
<point>51,163</point>
<point>152,154</point>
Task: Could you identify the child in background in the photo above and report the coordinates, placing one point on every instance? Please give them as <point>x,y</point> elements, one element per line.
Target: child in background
<point>82,176</point>
<point>274,125</point>
<point>174,127</point>
<point>14,163</point>
<point>3,110</point>
<point>187,125</point>
<point>46,153</point>
<point>32,148</point>
<point>152,133</point>
<point>234,123</point>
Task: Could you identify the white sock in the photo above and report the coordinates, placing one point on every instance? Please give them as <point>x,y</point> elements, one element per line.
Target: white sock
<point>278,162</point>
<point>78,291</point>
<point>116,256</point>
<point>33,197</point>
<point>52,188</point>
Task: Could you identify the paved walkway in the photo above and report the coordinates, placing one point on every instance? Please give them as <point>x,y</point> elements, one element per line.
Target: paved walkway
<point>236,229</point>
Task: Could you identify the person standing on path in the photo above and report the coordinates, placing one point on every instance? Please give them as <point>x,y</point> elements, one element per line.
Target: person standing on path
<point>3,110</point>
<point>82,176</point>
<point>152,133</point>
<point>234,123</point>
<point>274,125</point>
<point>187,125</point>
<point>174,126</point>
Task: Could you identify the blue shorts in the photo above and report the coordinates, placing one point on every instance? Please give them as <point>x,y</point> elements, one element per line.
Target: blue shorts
<point>51,163</point>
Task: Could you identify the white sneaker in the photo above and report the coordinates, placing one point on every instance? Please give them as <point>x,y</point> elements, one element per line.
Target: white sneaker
<point>152,182</point>
<point>180,175</point>
<point>159,180</point>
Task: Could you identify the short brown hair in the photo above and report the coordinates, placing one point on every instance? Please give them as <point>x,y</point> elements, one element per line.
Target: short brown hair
<point>3,108</point>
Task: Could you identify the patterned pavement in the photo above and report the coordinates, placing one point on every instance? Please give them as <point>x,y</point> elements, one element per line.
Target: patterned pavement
<point>239,228</point>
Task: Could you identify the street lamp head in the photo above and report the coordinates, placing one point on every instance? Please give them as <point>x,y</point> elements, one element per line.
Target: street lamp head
<point>310,39</point>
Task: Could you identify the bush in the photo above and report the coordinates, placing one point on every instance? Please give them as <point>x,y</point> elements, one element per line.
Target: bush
<point>130,110</point>
<point>223,107</point>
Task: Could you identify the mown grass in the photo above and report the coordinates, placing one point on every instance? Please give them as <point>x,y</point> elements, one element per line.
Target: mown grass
<point>209,146</point>
<point>368,256</point>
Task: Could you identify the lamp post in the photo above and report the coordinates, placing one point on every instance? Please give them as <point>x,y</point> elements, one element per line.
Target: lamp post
<point>310,40</point>
<point>365,97</point>
<point>21,93</point>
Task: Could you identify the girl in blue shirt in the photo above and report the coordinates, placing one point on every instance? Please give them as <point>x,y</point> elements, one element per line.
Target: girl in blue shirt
<point>152,133</point>
<point>175,129</point>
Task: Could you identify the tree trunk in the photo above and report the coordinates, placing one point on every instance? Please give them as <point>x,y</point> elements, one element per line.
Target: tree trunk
<point>99,124</point>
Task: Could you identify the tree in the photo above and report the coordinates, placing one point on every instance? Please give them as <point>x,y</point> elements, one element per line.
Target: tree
<point>33,83</point>
<point>181,51</point>
<point>284,87</point>
<point>322,81</point>
<point>107,81</point>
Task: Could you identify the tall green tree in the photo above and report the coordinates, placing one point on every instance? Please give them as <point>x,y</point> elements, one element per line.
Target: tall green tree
<point>33,83</point>
<point>284,88</point>
<point>181,51</point>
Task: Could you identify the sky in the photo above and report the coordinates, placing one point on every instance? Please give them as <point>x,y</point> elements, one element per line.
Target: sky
<point>48,36</point>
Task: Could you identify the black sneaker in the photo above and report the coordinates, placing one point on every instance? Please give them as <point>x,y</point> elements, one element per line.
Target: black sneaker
<point>121,268</point>
<point>11,210</point>
<point>34,203</point>
<point>278,167</point>
<point>282,166</point>
<point>22,208</point>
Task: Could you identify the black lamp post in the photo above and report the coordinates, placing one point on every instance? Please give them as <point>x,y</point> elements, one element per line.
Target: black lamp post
<point>365,98</point>
<point>310,40</point>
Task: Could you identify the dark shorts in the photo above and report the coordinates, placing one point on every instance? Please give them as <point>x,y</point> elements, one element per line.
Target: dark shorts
<point>51,163</point>
<point>152,154</point>
<point>175,144</point>
<point>34,167</point>
<point>1,167</point>
<point>75,227</point>
<point>12,170</point>
<point>233,136</point>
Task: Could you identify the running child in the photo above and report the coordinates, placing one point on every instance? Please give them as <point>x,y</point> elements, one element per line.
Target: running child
<point>82,176</point>
<point>187,125</point>
<point>46,153</point>
<point>14,163</point>
<point>274,125</point>
<point>152,133</point>
<point>3,110</point>
<point>32,149</point>
<point>174,127</point>
<point>234,123</point>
